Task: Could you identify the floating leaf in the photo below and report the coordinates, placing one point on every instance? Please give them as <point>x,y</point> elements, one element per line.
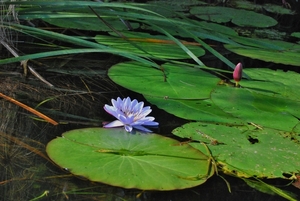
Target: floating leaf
<point>247,150</point>
<point>89,23</point>
<point>247,5</point>
<point>167,8</point>
<point>288,54</point>
<point>200,110</point>
<point>178,89</point>
<point>275,83</point>
<point>143,161</point>
<point>276,9</point>
<point>172,81</point>
<point>237,16</point>
<point>250,106</point>
<point>268,100</point>
<point>296,34</point>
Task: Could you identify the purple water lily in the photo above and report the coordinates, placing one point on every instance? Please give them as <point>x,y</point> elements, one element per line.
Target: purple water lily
<point>130,114</point>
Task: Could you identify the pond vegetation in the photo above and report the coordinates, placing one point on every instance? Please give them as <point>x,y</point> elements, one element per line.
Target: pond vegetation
<point>221,79</point>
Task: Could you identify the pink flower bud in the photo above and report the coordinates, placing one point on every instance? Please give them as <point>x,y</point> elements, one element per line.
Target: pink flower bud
<point>238,71</point>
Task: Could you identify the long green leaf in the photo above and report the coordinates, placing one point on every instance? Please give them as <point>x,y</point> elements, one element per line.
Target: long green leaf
<point>77,41</point>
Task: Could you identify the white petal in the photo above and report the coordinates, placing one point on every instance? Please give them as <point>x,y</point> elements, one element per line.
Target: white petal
<point>114,103</point>
<point>115,123</point>
<point>148,119</point>
<point>111,110</point>
<point>145,111</point>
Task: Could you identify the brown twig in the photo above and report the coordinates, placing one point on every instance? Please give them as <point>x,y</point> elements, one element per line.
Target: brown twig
<point>37,113</point>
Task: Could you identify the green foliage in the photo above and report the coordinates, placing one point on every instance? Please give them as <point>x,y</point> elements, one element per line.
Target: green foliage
<point>157,46</point>
<point>237,16</point>
<point>180,90</point>
<point>246,150</point>
<point>266,188</point>
<point>195,94</point>
<point>251,131</point>
<point>296,34</point>
<point>171,81</point>
<point>267,50</point>
<point>143,161</point>
<point>277,9</point>
<point>111,17</point>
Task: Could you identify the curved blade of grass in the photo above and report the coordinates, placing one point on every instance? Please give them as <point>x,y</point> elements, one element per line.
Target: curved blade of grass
<point>187,51</point>
<point>77,41</point>
<point>215,53</point>
<point>207,47</point>
<point>62,5</point>
<point>71,51</point>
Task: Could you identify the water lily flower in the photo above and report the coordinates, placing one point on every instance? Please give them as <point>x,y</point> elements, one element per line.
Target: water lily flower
<point>237,73</point>
<point>130,114</point>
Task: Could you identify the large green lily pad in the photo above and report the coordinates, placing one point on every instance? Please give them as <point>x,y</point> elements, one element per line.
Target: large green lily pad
<point>246,151</point>
<point>171,81</point>
<point>143,161</point>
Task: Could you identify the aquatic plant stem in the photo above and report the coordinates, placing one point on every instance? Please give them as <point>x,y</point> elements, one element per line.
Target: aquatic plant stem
<point>37,113</point>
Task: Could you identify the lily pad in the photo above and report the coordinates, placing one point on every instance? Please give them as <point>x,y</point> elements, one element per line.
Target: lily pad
<point>239,17</point>
<point>246,151</point>
<point>247,5</point>
<point>169,8</point>
<point>250,106</point>
<point>91,23</point>
<point>275,83</point>
<point>200,110</point>
<point>296,34</point>
<point>118,158</point>
<point>276,9</point>
<point>276,52</point>
<point>270,99</point>
<point>180,90</point>
<point>172,81</point>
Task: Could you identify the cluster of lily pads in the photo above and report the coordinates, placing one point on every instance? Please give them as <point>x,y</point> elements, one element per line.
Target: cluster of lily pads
<point>248,130</point>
